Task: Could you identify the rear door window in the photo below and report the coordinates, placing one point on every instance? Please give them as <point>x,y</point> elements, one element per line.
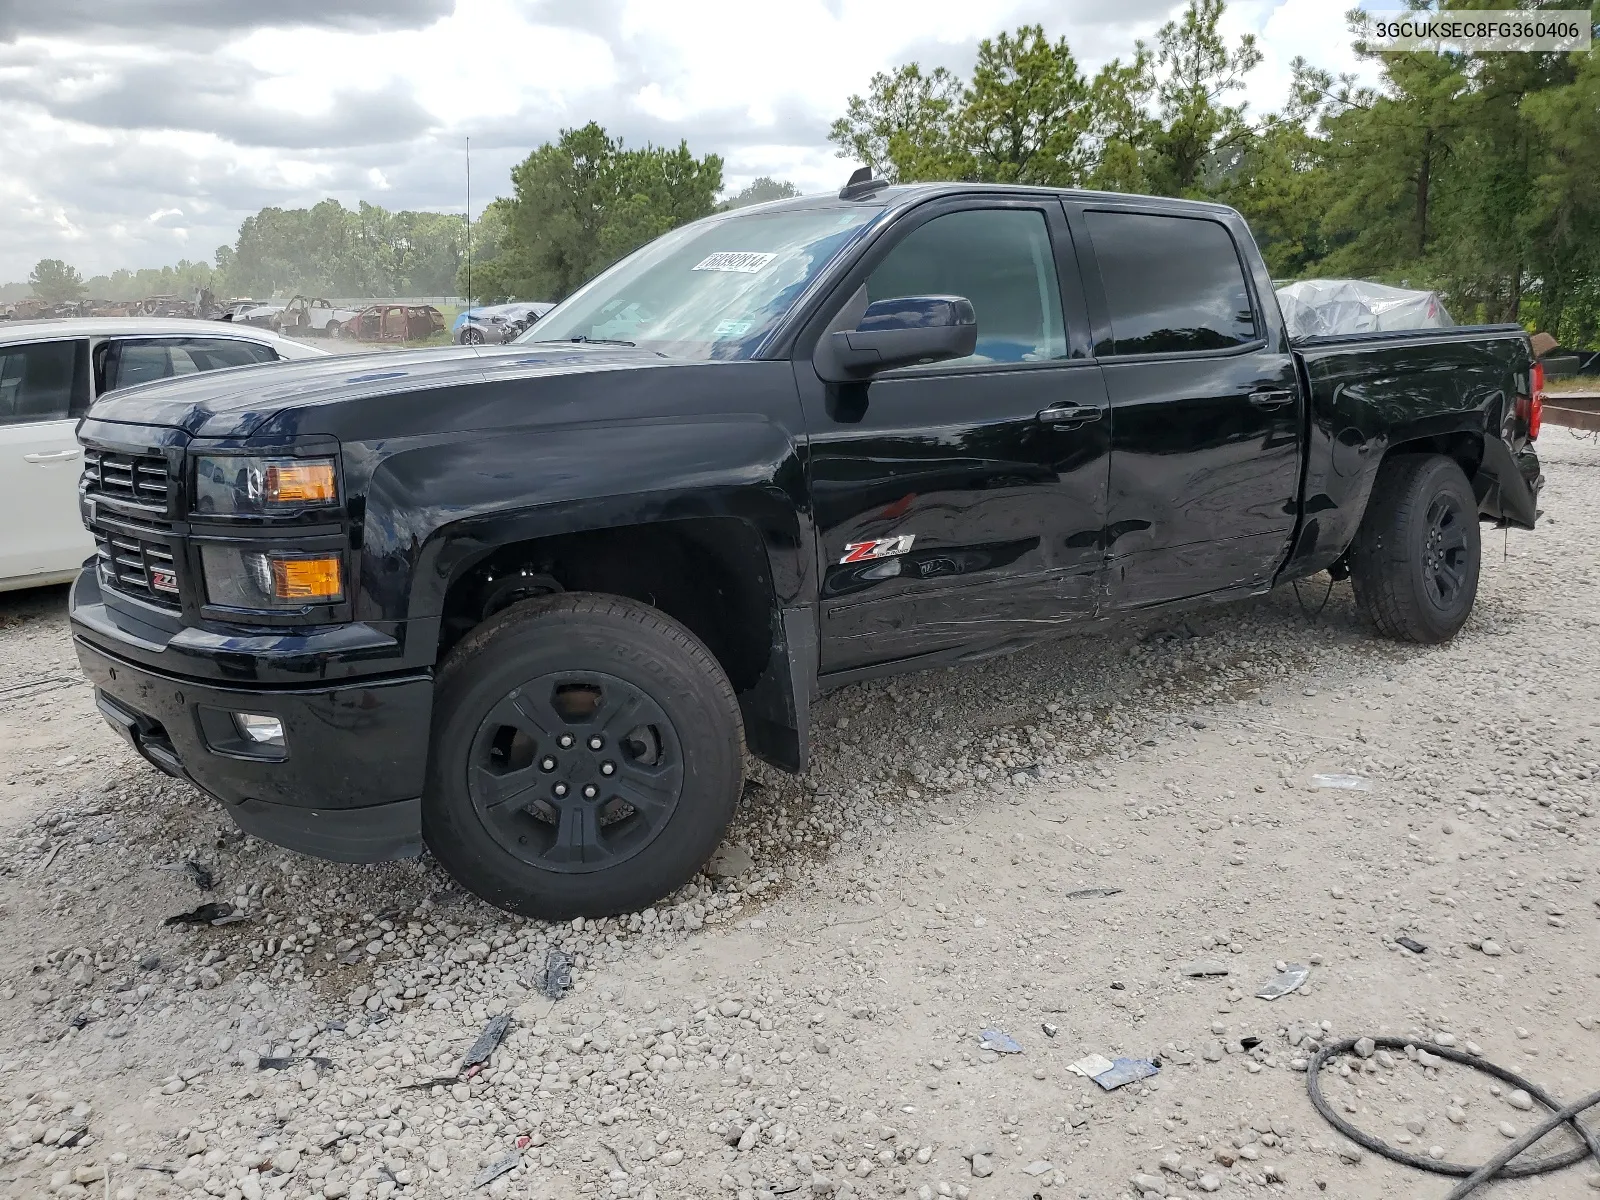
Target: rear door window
<point>212,354</point>
<point>131,361</point>
<point>1173,285</point>
<point>36,382</point>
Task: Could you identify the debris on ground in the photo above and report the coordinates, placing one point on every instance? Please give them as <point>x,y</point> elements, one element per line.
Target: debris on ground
<point>730,861</point>
<point>1095,893</point>
<point>1411,944</point>
<point>1205,967</point>
<point>999,1041</point>
<point>1091,1065</point>
<point>199,875</point>
<point>206,914</point>
<point>1050,1030</point>
<point>1344,783</point>
<point>556,979</point>
<point>496,1169</point>
<point>1112,1073</point>
<point>487,1042</point>
<point>283,1064</point>
<point>1285,981</point>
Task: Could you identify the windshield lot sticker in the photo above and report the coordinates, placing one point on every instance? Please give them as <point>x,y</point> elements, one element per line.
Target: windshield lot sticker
<point>746,262</point>
<point>880,548</point>
<point>732,329</point>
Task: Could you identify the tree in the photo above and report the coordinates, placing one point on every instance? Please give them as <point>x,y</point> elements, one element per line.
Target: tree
<point>1023,119</point>
<point>1026,117</point>
<point>53,281</point>
<point>1195,70</point>
<point>330,250</point>
<point>488,236</point>
<point>1121,128</point>
<point>182,281</point>
<point>760,190</point>
<point>904,127</point>
<point>1562,217</point>
<point>1279,183</point>
<point>583,201</point>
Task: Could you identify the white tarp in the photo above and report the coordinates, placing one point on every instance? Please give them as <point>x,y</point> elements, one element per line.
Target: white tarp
<point>1322,306</point>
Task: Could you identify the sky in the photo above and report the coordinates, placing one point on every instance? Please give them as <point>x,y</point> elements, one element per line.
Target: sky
<point>140,132</point>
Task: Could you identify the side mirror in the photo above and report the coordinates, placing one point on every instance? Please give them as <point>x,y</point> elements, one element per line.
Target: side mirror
<point>902,332</point>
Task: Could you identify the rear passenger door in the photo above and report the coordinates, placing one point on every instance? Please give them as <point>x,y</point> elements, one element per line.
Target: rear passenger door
<point>44,389</point>
<point>1205,409</point>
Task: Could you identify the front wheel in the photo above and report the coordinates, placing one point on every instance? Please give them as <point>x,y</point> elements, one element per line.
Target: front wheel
<point>587,757</point>
<point>1416,557</point>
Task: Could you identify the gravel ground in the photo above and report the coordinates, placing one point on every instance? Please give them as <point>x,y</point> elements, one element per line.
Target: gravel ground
<point>806,1019</point>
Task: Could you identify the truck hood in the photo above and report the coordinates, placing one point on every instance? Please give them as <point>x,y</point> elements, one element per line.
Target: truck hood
<point>237,401</point>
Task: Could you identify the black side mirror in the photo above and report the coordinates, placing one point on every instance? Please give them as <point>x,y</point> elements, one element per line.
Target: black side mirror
<point>903,332</point>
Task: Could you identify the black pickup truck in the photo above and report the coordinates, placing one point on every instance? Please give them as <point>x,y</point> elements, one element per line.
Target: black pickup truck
<point>529,605</point>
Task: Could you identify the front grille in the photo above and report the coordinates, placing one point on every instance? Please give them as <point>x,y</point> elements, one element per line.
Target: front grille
<point>136,567</point>
<point>136,479</point>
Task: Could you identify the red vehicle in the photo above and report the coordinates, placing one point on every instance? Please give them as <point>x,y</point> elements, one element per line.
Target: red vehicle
<point>390,323</point>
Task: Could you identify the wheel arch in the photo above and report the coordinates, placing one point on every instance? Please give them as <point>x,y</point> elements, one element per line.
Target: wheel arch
<point>711,572</point>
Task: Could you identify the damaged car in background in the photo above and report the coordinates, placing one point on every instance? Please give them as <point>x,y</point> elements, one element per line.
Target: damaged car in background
<point>497,322</point>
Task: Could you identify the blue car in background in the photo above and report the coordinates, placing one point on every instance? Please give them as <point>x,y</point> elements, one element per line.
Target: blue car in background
<point>496,322</point>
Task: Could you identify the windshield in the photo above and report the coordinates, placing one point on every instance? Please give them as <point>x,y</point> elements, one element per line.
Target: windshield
<point>711,290</point>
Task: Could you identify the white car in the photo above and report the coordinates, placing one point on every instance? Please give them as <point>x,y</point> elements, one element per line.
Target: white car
<point>50,372</point>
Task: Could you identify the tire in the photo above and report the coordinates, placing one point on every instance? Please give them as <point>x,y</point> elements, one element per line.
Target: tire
<point>1417,554</point>
<point>516,705</point>
<point>335,330</point>
<point>471,337</point>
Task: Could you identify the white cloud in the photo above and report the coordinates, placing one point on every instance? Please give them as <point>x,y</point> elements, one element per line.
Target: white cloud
<point>198,128</point>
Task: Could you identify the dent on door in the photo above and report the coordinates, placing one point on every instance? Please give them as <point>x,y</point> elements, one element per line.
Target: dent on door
<point>943,503</point>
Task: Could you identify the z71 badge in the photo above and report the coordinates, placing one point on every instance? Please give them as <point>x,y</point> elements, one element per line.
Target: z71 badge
<point>879,548</point>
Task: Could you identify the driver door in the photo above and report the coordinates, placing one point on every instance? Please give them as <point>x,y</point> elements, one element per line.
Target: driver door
<point>956,507</point>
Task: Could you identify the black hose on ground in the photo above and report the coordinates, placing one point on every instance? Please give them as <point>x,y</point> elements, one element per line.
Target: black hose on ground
<point>1498,1167</point>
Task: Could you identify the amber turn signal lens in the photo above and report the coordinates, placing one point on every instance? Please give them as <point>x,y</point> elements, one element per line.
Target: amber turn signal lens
<point>301,483</point>
<point>307,579</point>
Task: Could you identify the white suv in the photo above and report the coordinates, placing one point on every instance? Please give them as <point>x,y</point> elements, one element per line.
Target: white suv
<point>50,372</point>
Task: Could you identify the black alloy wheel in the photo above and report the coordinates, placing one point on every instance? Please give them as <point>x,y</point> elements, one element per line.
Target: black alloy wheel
<point>1446,558</point>
<point>576,771</point>
<point>586,758</point>
<point>1415,560</point>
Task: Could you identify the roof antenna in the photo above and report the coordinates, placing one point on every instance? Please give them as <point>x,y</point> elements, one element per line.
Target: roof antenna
<point>861,184</point>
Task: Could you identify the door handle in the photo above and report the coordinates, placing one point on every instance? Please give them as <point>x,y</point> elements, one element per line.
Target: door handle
<point>52,456</point>
<point>1070,414</point>
<point>1271,398</point>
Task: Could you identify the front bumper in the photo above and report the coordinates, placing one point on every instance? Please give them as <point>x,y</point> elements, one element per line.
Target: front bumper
<point>347,786</point>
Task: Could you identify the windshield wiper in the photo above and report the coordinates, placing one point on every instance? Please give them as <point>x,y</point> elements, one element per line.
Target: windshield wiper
<point>585,338</point>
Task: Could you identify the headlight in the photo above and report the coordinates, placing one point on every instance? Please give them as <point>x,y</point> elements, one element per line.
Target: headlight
<point>251,487</point>
<point>260,579</point>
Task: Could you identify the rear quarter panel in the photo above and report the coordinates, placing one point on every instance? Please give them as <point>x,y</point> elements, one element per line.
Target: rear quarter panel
<point>1370,393</point>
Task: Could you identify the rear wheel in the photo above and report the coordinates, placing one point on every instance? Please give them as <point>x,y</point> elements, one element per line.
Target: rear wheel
<point>1416,557</point>
<point>587,757</point>
<point>471,337</point>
